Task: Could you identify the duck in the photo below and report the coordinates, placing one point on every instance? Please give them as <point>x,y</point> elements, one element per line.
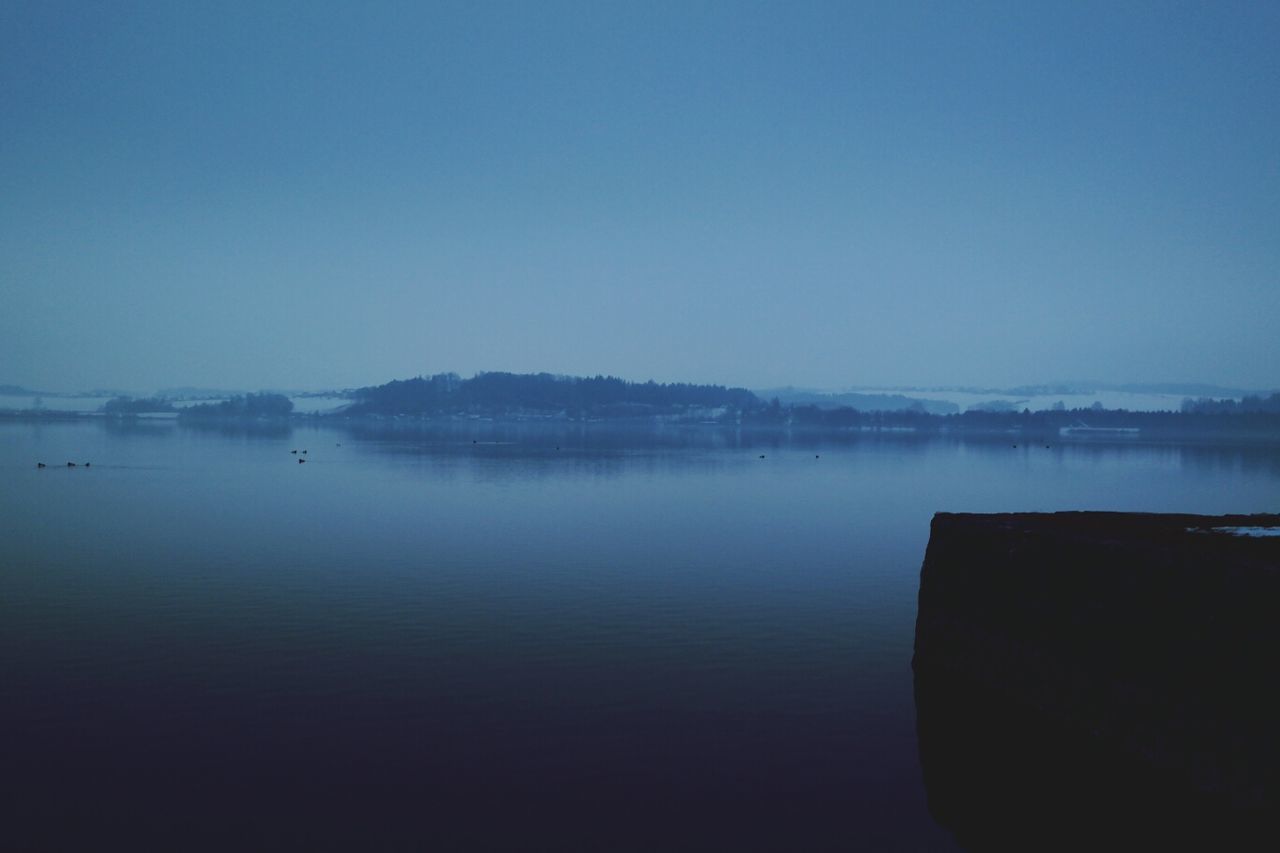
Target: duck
<point>71,464</point>
<point>294,452</point>
<point>300,461</point>
<point>41,465</point>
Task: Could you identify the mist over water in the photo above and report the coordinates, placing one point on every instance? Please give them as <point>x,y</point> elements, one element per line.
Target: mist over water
<point>602,635</point>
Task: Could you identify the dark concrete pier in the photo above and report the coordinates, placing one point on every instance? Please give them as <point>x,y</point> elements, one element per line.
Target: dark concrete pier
<point>1101,679</point>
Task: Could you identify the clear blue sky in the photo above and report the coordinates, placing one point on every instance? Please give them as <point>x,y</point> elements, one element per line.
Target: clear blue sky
<point>821,194</point>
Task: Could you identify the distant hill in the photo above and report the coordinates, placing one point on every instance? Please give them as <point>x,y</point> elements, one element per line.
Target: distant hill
<point>545,394</point>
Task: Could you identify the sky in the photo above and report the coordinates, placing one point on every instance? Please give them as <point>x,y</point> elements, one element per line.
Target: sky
<point>827,195</point>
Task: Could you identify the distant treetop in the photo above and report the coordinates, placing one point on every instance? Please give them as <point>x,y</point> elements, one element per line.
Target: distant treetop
<point>129,406</point>
<point>242,406</point>
<point>506,393</point>
<point>1251,403</point>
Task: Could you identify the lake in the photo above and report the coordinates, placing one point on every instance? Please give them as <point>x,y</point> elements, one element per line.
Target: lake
<point>497,636</point>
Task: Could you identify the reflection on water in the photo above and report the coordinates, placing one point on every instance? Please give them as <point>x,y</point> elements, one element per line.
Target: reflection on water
<point>480,634</point>
<point>533,437</point>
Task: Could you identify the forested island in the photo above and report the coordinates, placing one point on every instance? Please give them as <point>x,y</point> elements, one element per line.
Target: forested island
<point>132,407</point>
<point>545,396</point>
<point>250,406</point>
<point>573,399</point>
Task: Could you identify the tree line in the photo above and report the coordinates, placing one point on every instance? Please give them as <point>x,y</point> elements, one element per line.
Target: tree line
<point>1251,403</point>
<point>572,396</point>
<point>545,395</point>
<point>1264,423</point>
<point>241,406</point>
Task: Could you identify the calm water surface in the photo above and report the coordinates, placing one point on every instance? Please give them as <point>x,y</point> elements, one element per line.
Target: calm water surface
<point>495,637</point>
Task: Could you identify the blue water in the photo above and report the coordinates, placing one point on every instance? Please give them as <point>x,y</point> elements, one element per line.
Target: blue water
<point>497,637</point>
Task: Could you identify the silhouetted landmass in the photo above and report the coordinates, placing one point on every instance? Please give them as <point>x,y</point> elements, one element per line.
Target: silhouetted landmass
<point>543,394</point>
<point>1251,404</point>
<point>125,406</point>
<point>548,397</point>
<point>241,406</point>
<point>16,391</point>
<point>861,401</point>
